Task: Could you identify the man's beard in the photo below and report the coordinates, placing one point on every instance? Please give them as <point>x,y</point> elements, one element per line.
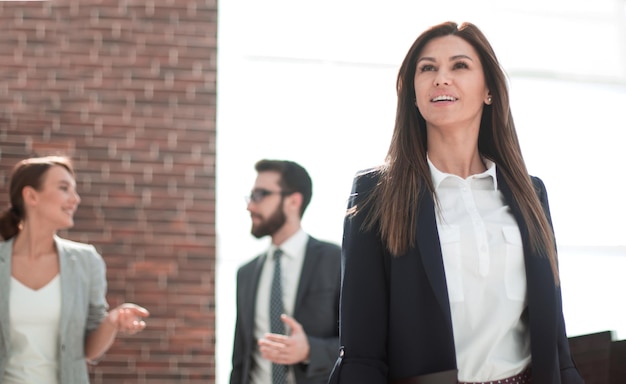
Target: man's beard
<point>271,225</point>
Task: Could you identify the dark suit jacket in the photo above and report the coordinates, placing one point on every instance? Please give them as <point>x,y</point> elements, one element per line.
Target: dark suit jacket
<point>395,319</point>
<point>316,308</point>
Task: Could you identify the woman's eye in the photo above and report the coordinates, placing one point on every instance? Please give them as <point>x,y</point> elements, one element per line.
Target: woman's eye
<point>460,65</point>
<point>426,68</point>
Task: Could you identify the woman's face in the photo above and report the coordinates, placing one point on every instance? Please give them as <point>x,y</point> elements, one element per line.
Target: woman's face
<point>450,88</point>
<point>57,199</point>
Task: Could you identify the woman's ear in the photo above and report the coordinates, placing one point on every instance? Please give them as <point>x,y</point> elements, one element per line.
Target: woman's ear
<point>29,195</point>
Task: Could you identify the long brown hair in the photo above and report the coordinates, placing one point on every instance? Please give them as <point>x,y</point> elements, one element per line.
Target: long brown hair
<point>27,173</point>
<point>405,174</point>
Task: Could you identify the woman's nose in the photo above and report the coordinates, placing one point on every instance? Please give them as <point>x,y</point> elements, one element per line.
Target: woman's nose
<point>442,78</point>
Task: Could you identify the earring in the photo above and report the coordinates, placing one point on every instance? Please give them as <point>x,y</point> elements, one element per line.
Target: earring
<point>489,100</point>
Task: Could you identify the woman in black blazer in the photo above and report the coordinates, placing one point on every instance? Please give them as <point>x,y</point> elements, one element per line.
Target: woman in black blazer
<point>449,259</point>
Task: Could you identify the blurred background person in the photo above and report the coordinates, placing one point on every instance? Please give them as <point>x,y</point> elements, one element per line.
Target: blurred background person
<point>298,277</point>
<point>54,315</point>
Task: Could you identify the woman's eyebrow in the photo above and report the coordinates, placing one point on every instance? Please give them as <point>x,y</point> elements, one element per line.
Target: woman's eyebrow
<point>452,58</point>
<point>456,57</point>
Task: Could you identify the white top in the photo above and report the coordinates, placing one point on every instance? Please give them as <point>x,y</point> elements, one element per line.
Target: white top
<point>34,317</point>
<point>291,262</point>
<point>485,274</point>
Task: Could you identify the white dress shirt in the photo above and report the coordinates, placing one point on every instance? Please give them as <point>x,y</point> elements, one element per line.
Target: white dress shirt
<point>291,261</point>
<point>35,316</point>
<point>485,274</point>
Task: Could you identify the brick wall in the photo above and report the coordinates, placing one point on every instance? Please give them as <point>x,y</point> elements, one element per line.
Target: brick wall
<point>128,89</point>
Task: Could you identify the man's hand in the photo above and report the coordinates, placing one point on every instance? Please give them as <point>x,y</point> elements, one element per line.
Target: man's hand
<point>286,349</point>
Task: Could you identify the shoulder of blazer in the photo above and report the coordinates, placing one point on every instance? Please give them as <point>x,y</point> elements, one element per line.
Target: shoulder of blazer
<point>538,185</point>
<point>78,254</point>
<point>5,281</point>
<point>73,245</point>
<point>363,183</point>
<point>248,268</point>
<point>321,246</point>
<point>540,188</point>
<point>367,179</point>
<point>542,194</point>
<point>5,250</point>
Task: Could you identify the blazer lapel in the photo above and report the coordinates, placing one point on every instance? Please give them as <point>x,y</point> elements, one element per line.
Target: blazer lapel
<point>251,293</point>
<point>67,267</point>
<point>540,293</point>
<point>430,251</point>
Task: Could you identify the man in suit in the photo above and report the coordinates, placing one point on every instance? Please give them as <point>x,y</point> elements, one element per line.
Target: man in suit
<point>298,277</point>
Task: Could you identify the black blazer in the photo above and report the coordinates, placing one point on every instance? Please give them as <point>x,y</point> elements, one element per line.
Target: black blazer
<point>316,308</point>
<point>395,313</point>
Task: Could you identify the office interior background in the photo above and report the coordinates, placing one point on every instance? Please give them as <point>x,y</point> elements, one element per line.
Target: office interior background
<point>314,82</point>
<point>167,105</point>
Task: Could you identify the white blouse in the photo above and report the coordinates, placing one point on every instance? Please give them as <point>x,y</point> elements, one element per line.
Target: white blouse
<point>485,274</point>
<point>34,317</point>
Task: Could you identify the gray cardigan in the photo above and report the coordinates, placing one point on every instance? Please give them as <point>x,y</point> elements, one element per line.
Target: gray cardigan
<point>84,306</point>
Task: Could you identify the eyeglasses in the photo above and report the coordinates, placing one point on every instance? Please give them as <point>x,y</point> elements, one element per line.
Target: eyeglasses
<point>257,195</point>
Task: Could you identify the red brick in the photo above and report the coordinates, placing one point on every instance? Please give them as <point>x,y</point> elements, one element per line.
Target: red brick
<point>128,89</point>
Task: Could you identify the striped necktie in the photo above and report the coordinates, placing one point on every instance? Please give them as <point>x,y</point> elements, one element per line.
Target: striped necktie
<point>279,372</point>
